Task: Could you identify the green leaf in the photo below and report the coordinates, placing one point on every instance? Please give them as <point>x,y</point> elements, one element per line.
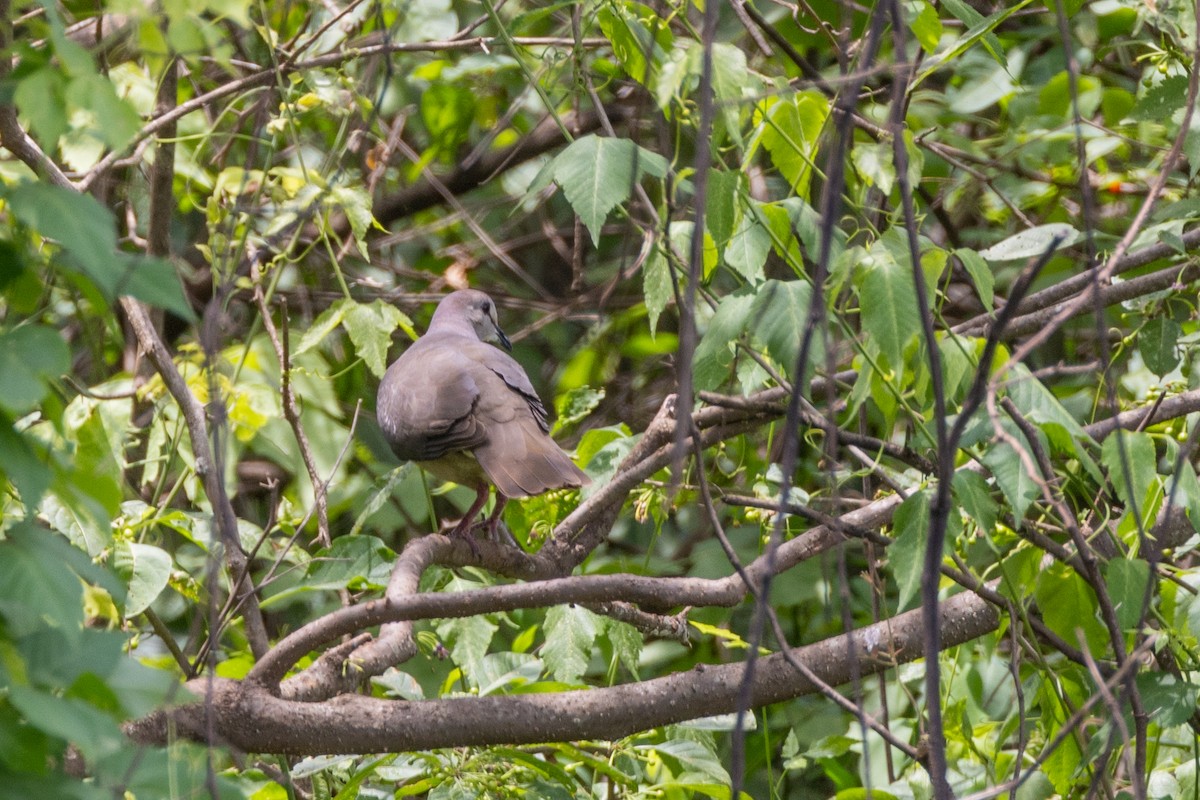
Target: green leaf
<point>906,554</point>
<point>692,756</point>
<point>356,205</point>
<point>1160,102</point>
<point>925,24</point>
<point>1131,464</point>
<point>873,163</point>
<point>1157,342</point>
<point>632,40</point>
<point>326,323</point>
<point>147,571</point>
<point>888,300</point>
<point>95,733</point>
<point>151,280</point>
<point>39,581</point>
<point>1032,243</point>
<point>714,354</point>
<point>791,129</point>
<point>656,285</point>
<point>570,633</point>
<point>575,405</point>
<point>981,275</point>
<point>40,97</point>
<point>469,638</point>
<point>971,492</point>
<point>117,123</point>
<point>780,313</point>
<point>1127,580</point>
<point>1019,487</point>
<point>352,562</point>
<point>626,643</point>
<point>1068,604</point>
<point>370,326</point>
<point>85,230</point>
<point>78,222</point>
<point>24,462</point>
<point>721,204</point>
<point>30,356</point>
<point>747,249</point>
<point>1169,700</point>
<point>597,173</point>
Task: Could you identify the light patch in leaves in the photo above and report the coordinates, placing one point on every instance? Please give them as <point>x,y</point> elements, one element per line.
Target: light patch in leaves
<point>1032,242</point>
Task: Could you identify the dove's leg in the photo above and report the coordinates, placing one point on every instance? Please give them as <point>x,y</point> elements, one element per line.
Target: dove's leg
<point>464,526</point>
<point>492,526</point>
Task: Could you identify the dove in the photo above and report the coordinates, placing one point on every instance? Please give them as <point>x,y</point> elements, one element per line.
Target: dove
<point>464,410</point>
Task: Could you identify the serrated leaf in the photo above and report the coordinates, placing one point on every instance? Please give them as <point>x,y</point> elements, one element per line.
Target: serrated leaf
<point>1131,464</point>
<point>370,326</point>
<point>926,25</point>
<point>889,303</point>
<point>656,285</point>
<point>30,356</point>
<point>714,354</point>
<point>791,128</point>
<point>906,554</point>
<point>626,643</point>
<point>1160,102</point>
<point>356,205</point>
<point>747,249</point>
<point>780,314</point>
<point>1020,488</point>
<point>873,162</point>
<point>146,569</point>
<point>575,405</point>
<point>597,173</point>
<point>1170,700</point>
<point>1127,580</point>
<point>1032,243</point>
<point>981,275</point>
<point>470,638</point>
<point>325,324</point>
<point>570,632</point>
<point>1157,342</point>
<point>721,204</point>
<point>971,492</point>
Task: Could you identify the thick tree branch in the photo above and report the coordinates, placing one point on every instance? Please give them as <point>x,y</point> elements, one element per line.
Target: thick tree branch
<point>247,715</point>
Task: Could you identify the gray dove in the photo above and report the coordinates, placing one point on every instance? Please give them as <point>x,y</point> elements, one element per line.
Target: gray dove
<point>466,411</point>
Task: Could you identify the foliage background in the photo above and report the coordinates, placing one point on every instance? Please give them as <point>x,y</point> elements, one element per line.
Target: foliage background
<point>662,198</point>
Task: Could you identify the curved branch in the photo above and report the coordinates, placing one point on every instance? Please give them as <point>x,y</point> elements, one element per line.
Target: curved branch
<point>247,715</point>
